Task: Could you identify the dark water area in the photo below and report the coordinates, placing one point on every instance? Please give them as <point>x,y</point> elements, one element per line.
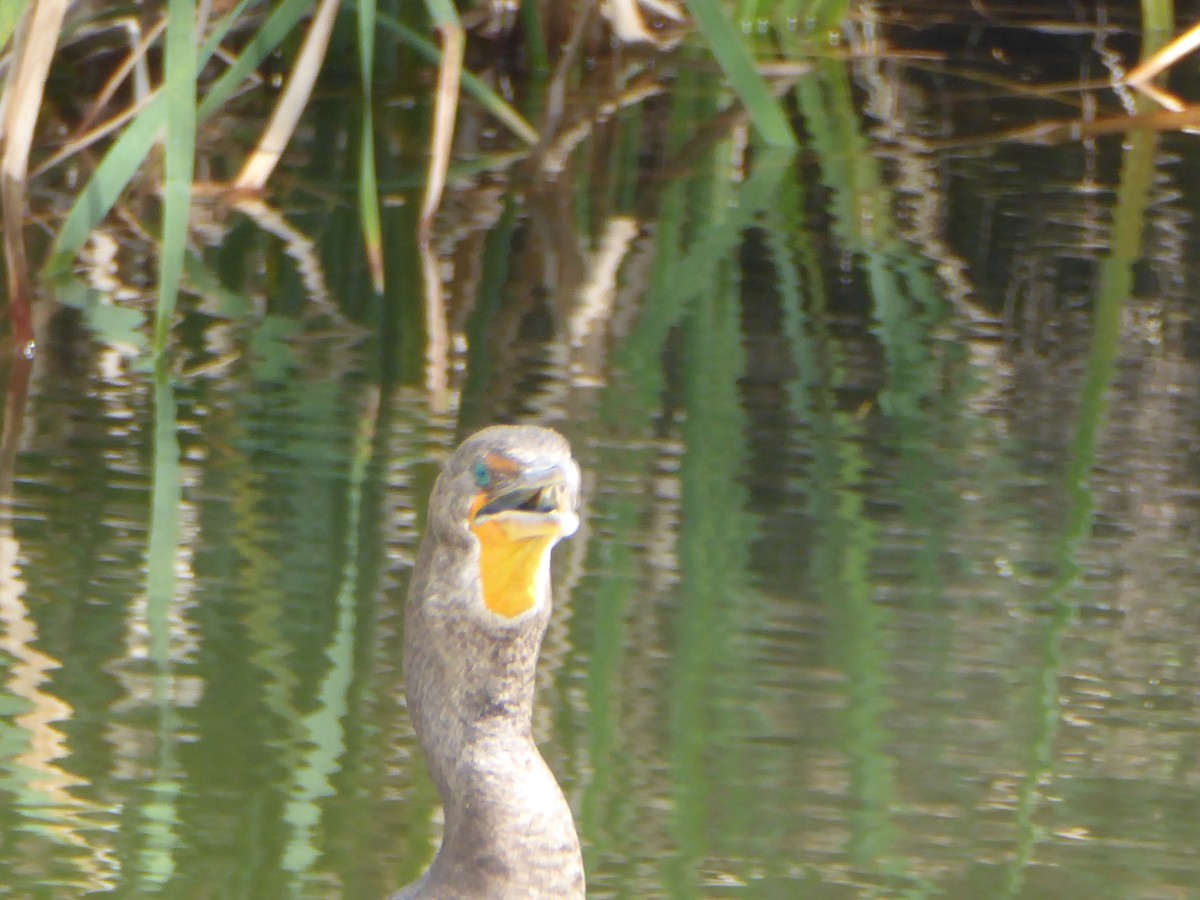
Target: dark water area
<point>886,584</point>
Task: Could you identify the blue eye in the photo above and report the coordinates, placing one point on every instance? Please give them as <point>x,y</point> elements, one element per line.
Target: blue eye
<point>482,476</point>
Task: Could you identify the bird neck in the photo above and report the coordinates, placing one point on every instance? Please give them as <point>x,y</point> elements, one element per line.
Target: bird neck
<point>466,680</point>
<point>507,824</point>
<point>470,691</point>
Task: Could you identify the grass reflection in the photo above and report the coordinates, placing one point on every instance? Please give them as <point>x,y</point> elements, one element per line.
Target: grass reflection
<point>158,818</point>
<point>325,726</point>
<point>1114,288</point>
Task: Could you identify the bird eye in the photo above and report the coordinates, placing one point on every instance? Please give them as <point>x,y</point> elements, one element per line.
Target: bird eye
<point>482,476</point>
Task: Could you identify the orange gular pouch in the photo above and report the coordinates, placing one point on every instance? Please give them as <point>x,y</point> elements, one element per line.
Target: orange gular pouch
<point>510,567</point>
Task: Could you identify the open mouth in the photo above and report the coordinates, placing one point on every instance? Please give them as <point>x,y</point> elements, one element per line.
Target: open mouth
<point>547,499</point>
<point>538,507</point>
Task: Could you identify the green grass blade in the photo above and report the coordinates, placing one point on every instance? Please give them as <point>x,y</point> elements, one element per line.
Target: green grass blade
<point>179,93</point>
<point>747,11</point>
<point>726,45</point>
<point>535,38</point>
<point>116,170</point>
<point>368,187</point>
<point>368,201</point>
<point>475,87</point>
<point>265,42</point>
<point>366,44</point>
<point>1158,24</point>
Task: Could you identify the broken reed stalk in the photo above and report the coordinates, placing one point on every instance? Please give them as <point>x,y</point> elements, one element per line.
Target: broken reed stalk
<point>1165,58</point>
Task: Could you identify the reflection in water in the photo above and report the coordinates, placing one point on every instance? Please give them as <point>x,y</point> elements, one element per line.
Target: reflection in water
<point>325,735</point>
<point>41,791</point>
<point>885,581</point>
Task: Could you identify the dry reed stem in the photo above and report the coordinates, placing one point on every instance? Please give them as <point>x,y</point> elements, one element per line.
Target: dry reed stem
<point>35,43</point>
<point>286,116</point>
<point>1165,99</point>
<point>1166,57</point>
<point>1140,77</point>
<point>445,111</point>
<point>136,56</point>
<point>105,128</point>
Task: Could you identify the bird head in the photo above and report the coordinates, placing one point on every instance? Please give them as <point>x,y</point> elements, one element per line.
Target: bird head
<point>512,491</point>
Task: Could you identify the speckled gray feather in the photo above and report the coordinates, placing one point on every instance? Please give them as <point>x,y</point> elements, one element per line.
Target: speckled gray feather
<point>469,675</point>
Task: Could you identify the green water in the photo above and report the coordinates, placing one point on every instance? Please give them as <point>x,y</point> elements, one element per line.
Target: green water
<point>887,581</point>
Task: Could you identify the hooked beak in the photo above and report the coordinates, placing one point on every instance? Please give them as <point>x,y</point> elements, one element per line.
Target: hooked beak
<point>534,503</point>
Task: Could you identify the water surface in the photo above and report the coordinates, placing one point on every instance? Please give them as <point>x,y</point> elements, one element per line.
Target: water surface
<point>886,584</point>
